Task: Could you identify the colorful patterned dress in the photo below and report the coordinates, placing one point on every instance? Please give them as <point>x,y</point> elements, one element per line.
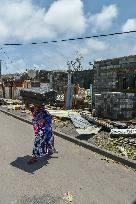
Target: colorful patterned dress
<point>44,141</point>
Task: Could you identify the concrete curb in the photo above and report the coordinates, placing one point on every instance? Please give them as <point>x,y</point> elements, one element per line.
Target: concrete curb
<point>122,160</point>
<point>16,116</point>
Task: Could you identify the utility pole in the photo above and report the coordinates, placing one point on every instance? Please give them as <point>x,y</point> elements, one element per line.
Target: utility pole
<point>51,76</point>
<point>0,68</point>
<point>2,86</point>
<point>92,87</point>
<point>69,74</point>
<point>68,89</point>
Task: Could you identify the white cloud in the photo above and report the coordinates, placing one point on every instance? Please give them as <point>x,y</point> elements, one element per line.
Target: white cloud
<point>129,25</point>
<point>67,16</point>
<point>22,20</point>
<point>103,20</point>
<point>93,45</point>
<point>3,30</point>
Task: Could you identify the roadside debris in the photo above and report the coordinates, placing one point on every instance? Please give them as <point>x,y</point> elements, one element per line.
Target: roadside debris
<point>83,127</point>
<point>68,197</point>
<point>119,124</point>
<point>124,132</point>
<point>99,122</point>
<point>89,130</point>
<point>59,113</point>
<point>78,121</point>
<point>124,146</point>
<point>123,151</point>
<point>106,159</point>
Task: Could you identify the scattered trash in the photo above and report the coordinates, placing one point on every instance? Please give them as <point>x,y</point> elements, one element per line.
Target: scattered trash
<point>68,197</point>
<point>88,131</point>
<point>56,120</point>
<point>106,159</point>
<point>99,122</point>
<point>59,113</point>
<point>78,121</point>
<point>123,151</point>
<point>119,124</point>
<point>124,146</point>
<point>13,107</point>
<point>117,132</point>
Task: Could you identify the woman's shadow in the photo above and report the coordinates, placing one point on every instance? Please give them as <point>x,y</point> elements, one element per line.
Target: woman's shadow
<point>21,163</point>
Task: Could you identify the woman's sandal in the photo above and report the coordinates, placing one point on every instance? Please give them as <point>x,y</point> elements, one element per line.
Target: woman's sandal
<point>52,151</point>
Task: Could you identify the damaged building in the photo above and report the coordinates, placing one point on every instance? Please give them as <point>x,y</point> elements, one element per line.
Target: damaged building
<point>59,78</point>
<point>84,78</point>
<point>115,88</point>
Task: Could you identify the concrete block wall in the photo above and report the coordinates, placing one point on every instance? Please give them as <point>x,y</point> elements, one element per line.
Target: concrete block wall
<point>106,73</point>
<point>115,105</point>
<point>114,79</point>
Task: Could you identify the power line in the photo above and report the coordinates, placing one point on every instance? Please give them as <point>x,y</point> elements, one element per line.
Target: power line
<point>71,39</point>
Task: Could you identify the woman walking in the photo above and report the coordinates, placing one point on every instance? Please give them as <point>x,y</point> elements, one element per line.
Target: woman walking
<point>44,140</point>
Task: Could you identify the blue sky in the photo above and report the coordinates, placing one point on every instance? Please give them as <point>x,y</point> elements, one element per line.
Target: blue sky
<point>39,20</point>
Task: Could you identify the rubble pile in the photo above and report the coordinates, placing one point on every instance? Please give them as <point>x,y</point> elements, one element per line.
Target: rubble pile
<point>81,99</point>
<point>65,126</point>
<point>11,104</point>
<point>118,137</point>
<point>123,146</point>
<point>99,122</point>
<point>124,132</point>
<point>60,102</point>
<point>107,123</point>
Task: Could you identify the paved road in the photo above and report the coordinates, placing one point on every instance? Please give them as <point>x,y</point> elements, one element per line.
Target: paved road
<point>76,170</point>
